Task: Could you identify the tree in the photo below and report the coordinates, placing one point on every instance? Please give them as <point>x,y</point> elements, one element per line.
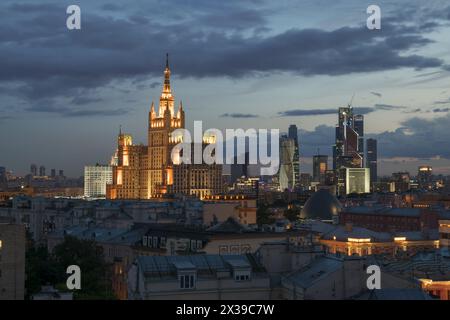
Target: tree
<point>40,270</point>
<point>291,214</point>
<point>263,215</point>
<point>95,272</point>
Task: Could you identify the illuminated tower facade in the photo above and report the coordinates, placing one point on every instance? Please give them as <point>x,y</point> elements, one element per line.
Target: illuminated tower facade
<point>161,124</point>
<point>293,134</point>
<point>286,174</point>
<point>144,172</point>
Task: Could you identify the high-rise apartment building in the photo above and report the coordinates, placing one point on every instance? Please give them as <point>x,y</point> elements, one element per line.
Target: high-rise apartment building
<point>42,171</point>
<point>144,172</point>
<point>33,170</point>
<point>96,178</point>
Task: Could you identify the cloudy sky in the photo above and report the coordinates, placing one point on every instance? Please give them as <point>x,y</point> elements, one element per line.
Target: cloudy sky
<point>235,64</point>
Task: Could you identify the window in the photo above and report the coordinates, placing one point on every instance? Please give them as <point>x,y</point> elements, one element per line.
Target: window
<point>187,281</point>
<point>242,275</point>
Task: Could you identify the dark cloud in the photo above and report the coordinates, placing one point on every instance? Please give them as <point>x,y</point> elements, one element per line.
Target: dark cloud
<point>417,138</point>
<point>417,110</point>
<point>379,95</point>
<point>111,7</point>
<point>49,61</point>
<point>155,84</point>
<point>438,110</point>
<point>239,115</point>
<point>306,112</point>
<point>85,100</point>
<point>322,137</point>
<point>48,106</point>
<point>318,112</point>
<point>388,107</point>
<point>95,112</point>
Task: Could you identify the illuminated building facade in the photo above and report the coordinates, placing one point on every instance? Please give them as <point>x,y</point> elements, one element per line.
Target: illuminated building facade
<point>401,182</point>
<point>286,175</point>
<point>350,240</point>
<point>424,177</point>
<point>357,180</point>
<point>444,233</point>
<point>293,134</point>
<point>320,167</point>
<point>95,180</point>
<point>200,180</point>
<point>144,172</point>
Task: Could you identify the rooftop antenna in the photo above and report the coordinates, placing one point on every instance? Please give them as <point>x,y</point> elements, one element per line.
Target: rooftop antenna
<point>120,130</point>
<point>351,101</point>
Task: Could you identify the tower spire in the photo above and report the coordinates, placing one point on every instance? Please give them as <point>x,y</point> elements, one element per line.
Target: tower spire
<point>166,88</point>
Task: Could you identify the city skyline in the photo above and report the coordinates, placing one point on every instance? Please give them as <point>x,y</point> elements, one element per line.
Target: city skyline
<point>75,102</point>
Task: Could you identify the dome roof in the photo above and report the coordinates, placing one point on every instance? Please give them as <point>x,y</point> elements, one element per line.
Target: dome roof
<point>321,205</point>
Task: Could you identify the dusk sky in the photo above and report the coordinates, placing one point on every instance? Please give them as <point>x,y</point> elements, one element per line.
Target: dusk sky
<point>235,64</point>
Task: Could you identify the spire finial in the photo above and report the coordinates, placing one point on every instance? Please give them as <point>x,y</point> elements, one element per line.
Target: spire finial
<point>120,130</point>
<point>167,60</point>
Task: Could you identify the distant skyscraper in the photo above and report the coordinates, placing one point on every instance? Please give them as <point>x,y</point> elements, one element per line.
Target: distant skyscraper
<point>95,180</point>
<point>372,160</point>
<point>424,176</point>
<point>33,170</point>
<point>238,170</point>
<point>61,173</point>
<point>293,134</point>
<point>402,181</point>
<point>320,167</point>
<point>286,176</point>
<point>305,181</point>
<point>359,128</point>
<point>348,140</point>
<point>53,173</point>
<point>42,171</point>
